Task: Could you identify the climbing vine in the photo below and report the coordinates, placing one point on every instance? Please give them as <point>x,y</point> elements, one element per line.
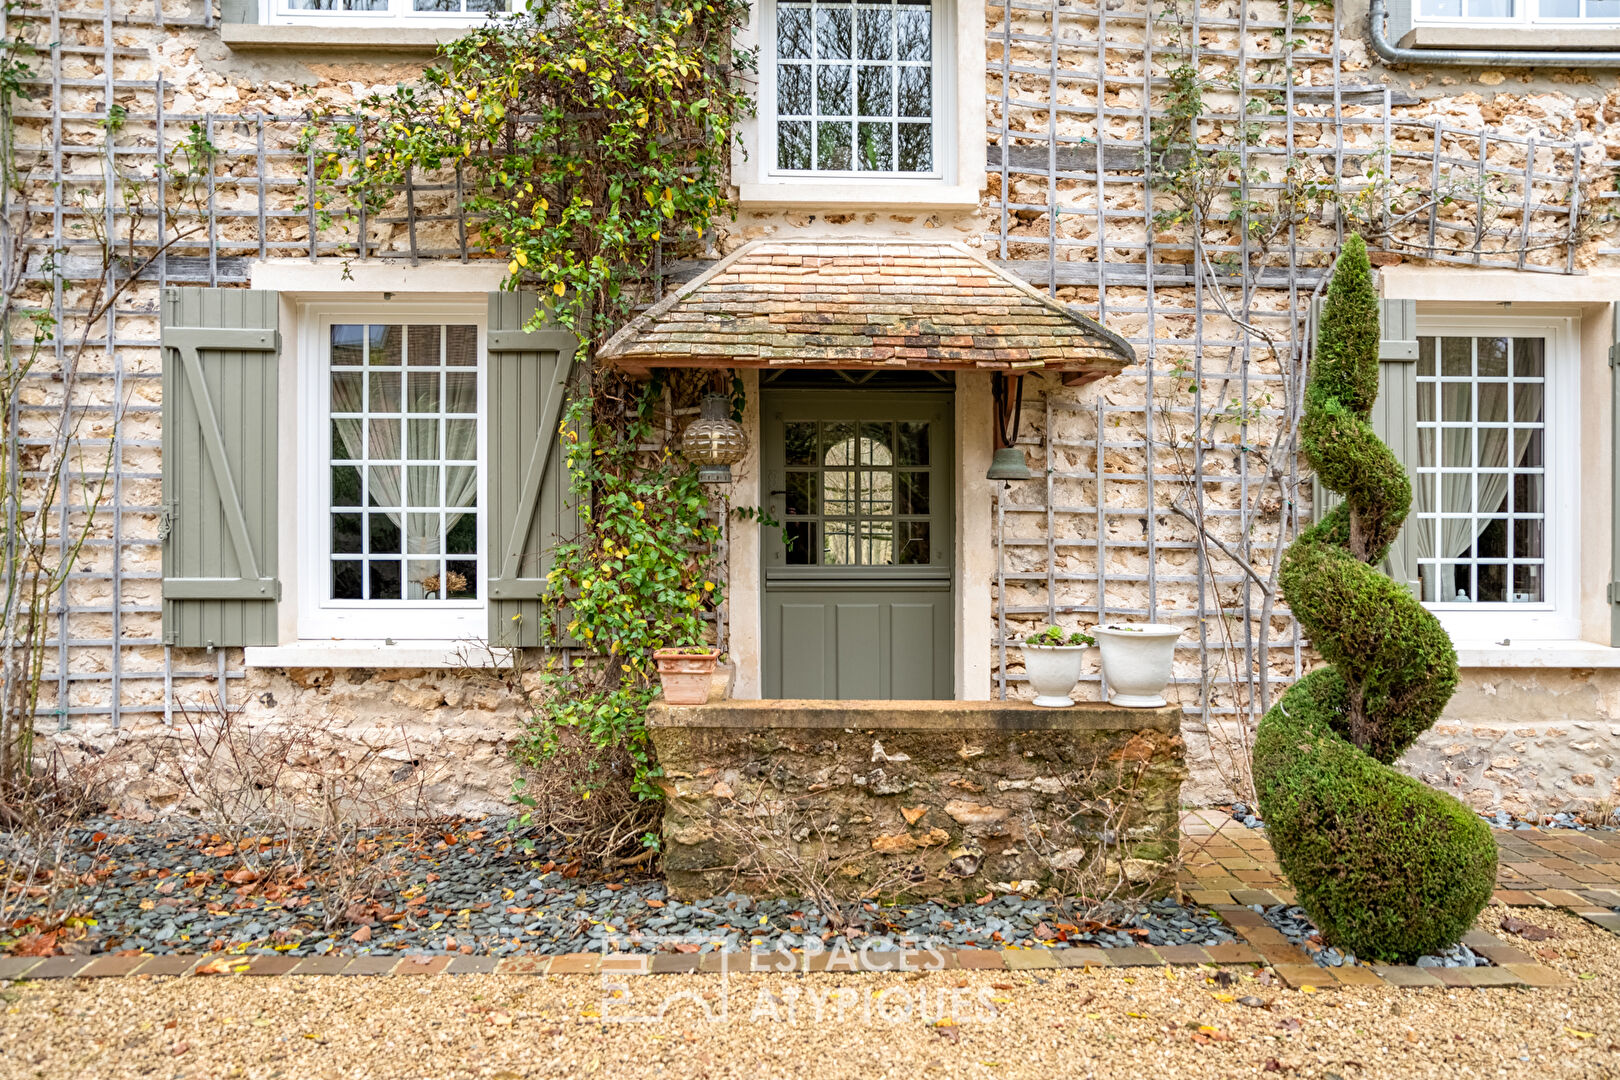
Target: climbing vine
<point>57,304</point>
<point>585,140</point>
<point>640,579</point>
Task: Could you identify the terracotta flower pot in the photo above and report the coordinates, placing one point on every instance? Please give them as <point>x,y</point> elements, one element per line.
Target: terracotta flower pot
<point>685,676</point>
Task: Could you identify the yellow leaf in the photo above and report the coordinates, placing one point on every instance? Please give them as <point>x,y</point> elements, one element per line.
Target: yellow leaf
<point>1579,1034</point>
<point>1226,997</point>
<point>1307,989</point>
<point>1093,1016</point>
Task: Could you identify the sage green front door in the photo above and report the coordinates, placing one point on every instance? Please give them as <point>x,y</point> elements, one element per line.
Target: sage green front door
<point>858,588</point>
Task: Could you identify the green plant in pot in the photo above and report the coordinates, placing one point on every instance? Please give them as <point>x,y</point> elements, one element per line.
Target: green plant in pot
<point>1053,661</point>
<point>686,673</point>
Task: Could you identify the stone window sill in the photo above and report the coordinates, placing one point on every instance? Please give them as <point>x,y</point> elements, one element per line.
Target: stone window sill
<point>413,39</point>
<point>374,654</point>
<point>836,197</point>
<point>1536,654</point>
<point>1507,39</point>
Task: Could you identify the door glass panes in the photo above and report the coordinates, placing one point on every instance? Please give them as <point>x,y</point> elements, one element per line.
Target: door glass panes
<point>1478,507</point>
<point>857,493</point>
<point>403,401</point>
<point>855,86</point>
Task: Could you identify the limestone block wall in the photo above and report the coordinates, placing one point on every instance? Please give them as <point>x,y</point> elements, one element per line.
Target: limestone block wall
<point>1528,741</point>
<point>403,742</point>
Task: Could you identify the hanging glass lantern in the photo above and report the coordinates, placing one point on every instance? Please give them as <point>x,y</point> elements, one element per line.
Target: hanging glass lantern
<point>714,441</point>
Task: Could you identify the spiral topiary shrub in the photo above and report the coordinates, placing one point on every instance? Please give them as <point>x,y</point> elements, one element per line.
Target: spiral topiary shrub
<point>1387,867</point>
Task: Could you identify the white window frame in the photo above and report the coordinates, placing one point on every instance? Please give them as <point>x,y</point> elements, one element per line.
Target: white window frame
<point>942,66</point>
<point>1528,14</point>
<point>321,618</point>
<point>1558,616</point>
<point>399,13</point>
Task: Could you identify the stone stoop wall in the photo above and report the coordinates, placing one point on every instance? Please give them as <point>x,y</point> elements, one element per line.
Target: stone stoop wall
<point>1528,741</point>
<point>916,799</point>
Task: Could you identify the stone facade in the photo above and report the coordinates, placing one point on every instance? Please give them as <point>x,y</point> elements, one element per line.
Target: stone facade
<point>1530,739</point>
<point>916,799</point>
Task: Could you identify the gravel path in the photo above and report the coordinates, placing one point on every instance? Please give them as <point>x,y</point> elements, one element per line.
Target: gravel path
<point>1126,1024</point>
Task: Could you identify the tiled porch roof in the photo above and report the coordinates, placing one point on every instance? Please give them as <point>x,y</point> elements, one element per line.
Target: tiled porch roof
<point>864,304</point>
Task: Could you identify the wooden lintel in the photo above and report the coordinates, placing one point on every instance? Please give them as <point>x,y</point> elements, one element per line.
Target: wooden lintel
<point>1084,378</point>
<point>641,367</point>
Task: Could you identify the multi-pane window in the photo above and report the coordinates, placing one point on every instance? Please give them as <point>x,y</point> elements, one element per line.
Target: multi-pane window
<point>403,452</point>
<point>1480,489</point>
<point>855,86</point>
<point>1532,11</point>
<point>370,11</point>
<point>858,493</point>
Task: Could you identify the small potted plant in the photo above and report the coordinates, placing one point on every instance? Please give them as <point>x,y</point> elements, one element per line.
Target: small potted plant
<point>1136,661</point>
<point>1052,662</point>
<point>686,672</point>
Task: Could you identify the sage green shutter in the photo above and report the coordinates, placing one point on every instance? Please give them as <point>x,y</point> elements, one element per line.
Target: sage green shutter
<point>1614,481</point>
<point>1394,418</point>
<point>221,365</point>
<point>530,505</point>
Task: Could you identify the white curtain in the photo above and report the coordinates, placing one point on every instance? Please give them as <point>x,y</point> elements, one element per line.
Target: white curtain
<point>1455,447</point>
<point>423,535</point>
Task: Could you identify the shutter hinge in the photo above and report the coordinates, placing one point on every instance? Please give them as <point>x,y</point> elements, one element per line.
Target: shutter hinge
<point>1613,592</point>
<point>165,520</point>
<point>1614,354</point>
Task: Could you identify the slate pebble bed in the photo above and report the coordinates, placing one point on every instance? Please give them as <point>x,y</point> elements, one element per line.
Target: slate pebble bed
<point>161,891</point>
<point>1296,926</point>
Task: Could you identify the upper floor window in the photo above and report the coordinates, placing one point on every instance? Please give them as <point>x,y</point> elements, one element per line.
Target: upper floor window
<point>1518,11</point>
<point>854,88</point>
<point>1496,478</point>
<point>371,12</point>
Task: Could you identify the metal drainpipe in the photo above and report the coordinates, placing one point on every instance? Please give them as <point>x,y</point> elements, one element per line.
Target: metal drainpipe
<point>1508,58</point>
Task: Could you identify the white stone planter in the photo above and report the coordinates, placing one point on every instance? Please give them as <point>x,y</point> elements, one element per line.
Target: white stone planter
<point>1053,670</point>
<point>1136,659</point>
